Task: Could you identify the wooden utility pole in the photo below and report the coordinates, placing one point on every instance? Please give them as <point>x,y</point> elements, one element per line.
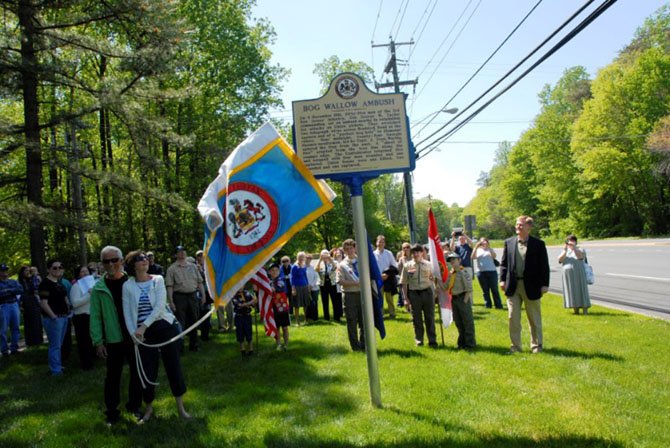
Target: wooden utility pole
<point>392,66</point>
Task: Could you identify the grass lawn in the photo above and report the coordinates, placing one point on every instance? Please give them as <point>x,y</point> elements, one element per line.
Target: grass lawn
<point>602,381</point>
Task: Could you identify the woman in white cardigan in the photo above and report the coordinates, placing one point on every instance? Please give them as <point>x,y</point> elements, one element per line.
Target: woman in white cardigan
<point>149,320</point>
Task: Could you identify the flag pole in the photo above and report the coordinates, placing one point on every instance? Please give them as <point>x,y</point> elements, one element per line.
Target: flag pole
<point>356,186</point>
<point>256,319</point>
<point>439,313</point>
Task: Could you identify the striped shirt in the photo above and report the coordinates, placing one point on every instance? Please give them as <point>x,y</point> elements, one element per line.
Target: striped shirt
<point>144,307</point>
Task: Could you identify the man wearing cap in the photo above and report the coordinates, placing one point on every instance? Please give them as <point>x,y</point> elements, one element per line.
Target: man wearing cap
<point>416,279</point>
<point>10,294</point>
<point>524,277</point>
<point>183,281</point>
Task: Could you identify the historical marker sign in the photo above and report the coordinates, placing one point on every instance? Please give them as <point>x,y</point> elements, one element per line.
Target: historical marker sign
<point>351,130</point>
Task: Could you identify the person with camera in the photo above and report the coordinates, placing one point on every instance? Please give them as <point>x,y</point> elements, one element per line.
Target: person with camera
<point>575,289</point>
<point>486,272</point>
<point>461,244</point>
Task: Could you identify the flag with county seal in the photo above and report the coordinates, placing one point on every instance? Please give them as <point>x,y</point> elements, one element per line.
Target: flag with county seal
<point>440,270</point>
<point>263,195</point>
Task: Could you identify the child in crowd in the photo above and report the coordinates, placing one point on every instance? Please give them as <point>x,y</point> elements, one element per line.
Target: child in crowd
<point>460,288</point>
<point>243,302</point>
<point>279,305</point>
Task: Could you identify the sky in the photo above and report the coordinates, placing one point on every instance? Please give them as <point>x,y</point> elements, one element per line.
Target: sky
<point>445,53</point>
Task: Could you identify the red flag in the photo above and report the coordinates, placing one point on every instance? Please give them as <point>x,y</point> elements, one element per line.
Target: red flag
<point>262,281</point>
<point>440,269</point>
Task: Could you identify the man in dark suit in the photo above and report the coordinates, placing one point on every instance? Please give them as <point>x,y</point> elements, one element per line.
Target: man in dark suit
<point>524,274</point>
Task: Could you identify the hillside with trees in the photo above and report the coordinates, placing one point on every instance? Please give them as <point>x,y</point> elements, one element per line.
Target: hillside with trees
<point>595,161</point>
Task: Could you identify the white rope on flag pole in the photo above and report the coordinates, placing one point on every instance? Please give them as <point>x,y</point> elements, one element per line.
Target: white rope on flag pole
<point>138,359</point>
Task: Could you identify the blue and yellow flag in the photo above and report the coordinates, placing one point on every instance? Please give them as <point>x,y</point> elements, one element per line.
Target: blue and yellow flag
<point>263,195</point>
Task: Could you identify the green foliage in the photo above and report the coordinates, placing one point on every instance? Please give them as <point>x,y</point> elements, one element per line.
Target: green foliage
<point>330,67</point>
<point>446,218</point>
<point>142,101</point>
<point>595,161</point>
<point>600,382</point>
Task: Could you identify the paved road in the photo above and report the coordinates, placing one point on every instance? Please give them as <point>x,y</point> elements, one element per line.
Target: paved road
<point>631,275</point>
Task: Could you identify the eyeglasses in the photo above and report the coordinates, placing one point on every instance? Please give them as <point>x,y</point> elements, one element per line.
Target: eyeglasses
<point>140,258</point>
<point>57,268</point>
<point>111,260</point>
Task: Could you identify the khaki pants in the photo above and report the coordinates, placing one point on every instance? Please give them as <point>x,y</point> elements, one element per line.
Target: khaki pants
<point>388,296</point>
<point>533,312</point>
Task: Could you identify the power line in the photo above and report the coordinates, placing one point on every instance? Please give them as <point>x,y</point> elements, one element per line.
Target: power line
<point>579,28</point>
<point>372,38</point>
<point>396,19</point>
<point>556,140</point>
<point>401,19</point>
<point>510,71</point>
<point>425,84</point>
<point>374,29</point>
<point>430,14</point>
<point>436,113</point>
<point>446,38</point>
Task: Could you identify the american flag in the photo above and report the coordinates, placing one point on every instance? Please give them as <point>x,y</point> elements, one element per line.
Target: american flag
<point>262,281</point>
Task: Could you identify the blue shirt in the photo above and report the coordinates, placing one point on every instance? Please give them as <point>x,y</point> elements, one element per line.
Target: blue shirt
<point>464,252</point>
<point>299,276</point>
<point>9,290</point>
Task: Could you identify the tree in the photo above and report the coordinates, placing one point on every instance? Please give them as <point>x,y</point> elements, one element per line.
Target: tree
<point>123,107</point>
<point>330,67</point>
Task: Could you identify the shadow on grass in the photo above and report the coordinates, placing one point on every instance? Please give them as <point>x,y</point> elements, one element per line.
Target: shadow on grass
<point>382,352</point>
<point>276,439</point>
<point>498,350</point>
<point>606,313</point>
<point>68,410</point>
<point>583,355</point>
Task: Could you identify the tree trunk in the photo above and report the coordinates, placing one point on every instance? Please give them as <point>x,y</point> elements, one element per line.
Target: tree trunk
<point>29,66</point>
<point>77,202</point>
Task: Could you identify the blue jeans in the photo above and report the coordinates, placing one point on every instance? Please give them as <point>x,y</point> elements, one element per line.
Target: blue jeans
<point>55,329</point>
<point>488,280</point>
<point>11,318</point>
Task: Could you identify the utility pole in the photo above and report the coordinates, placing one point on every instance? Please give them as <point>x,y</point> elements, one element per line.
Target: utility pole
<point>392,66</point>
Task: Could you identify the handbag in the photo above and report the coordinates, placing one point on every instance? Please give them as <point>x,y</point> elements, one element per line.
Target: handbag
<point>590,276</point>
<point>496,263</point>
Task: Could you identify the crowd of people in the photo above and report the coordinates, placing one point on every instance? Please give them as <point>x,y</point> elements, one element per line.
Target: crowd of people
<point>130,311</point>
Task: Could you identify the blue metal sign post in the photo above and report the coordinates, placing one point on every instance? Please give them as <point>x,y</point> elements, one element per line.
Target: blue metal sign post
<point>352,135</point>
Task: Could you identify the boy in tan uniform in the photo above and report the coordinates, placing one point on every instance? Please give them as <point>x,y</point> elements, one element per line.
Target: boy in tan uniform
<point>460,288</point>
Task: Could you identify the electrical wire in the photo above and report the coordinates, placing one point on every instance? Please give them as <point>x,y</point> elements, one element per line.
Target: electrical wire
<point>451,30</point>
<point>379,13</point>
<point>397,15</point>
<point>395,37</point>
<point>510,71</point>
<point>425,84</point>
<point>372,38</point>
<point>436,113</point>
<point>574,32</point>
<point>418,39</point>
